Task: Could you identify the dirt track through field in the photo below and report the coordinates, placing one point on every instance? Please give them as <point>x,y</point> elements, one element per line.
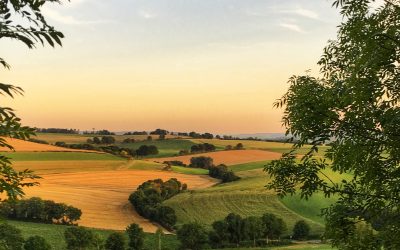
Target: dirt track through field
<point>229,157</point>
<point>103,195</point>
<point>27,146</point>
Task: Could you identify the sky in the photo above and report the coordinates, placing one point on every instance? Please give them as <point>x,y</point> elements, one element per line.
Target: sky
<point>182,65</point>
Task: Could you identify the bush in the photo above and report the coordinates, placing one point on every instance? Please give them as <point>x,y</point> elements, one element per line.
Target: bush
<point>136,237</point>
<point>10,237</point>
<point>205,147</point>
<point>36,243</point>
<point>239,146</point>
<point>222,172</point>
<point>175,163</point>
<point>192,236</point>
<point>145,150</point>
<point>201,162</point>
<point>301,230</point>
<point>78,238</point>
<point>115,241</point>
<point>38,141</point>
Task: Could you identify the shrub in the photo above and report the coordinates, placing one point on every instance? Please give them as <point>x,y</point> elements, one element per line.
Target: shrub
<point>115,241</point>
<point>36,243</point>
<point>145,150</point>
<point>222,172</point>
<point>205,147</point>
<point>78,238</point>
<point>301,230</point>
<point>136,237</point>
<point>175,163</point>
<point>192,236</point>
<point>201,162</point>
<point>239,146</point>
<point>10,237</point>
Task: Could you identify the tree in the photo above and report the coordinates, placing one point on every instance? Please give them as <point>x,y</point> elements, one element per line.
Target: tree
<point>201,162</point>
<point>10,237</point>
<point>219,236</point>
<point>235,228</point>
<point>166,216</point>
<point>36,243</point>
<point>136,237</point>
<point>273,226</point>
<point>159,234</point>
<point>107,139</point>
<point>192,236</point>
<point>78,238</point>
<point>301,230</point>
<point>239,146</point>
<point>253,228</point>
<point>353,106</point>
<point>115,241</point>
<point>22,21</point>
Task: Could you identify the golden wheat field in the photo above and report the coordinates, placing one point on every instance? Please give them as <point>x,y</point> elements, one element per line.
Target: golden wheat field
<point>103,195</point>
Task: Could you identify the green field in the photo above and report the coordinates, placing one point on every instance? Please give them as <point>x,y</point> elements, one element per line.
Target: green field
<point>246,197</point>
<point>170,147</point>
<point>248,166</point>
<point>60,156</point>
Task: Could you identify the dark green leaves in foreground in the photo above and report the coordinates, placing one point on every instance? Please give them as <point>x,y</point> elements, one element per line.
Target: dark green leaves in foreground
<point>355,108</point>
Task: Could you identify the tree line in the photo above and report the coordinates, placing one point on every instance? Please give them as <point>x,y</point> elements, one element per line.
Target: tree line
<point>221,171</point>
<point>37,210</point>
<point>57,130</point>
<point>149,195</point>
<point>234,231</point>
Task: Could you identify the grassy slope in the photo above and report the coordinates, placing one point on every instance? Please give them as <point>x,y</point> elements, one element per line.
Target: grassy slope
<point>248,166</point>
<point>60,156</point>
<point>245,197</point>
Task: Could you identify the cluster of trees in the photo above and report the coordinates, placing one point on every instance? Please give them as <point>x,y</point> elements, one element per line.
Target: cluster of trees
<point>201,148</point>
<point>175,163</point>
<point>57,130</point>
<point>38,210</point>
<point>145,150</point>
<point>85,146</point>
<point>159,132</point>
<point>223,173</point>
<point>235,231</point>
<point>136,133</point>
<point>148,197</point>
<point>102,140</point>
<point>99,132</point>
<point>220,172</point>
<point>238,146</point>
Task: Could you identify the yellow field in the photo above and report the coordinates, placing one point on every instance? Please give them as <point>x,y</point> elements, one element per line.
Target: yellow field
<point>27,146</point>
<point>230,157</point>
<point>103,195</point>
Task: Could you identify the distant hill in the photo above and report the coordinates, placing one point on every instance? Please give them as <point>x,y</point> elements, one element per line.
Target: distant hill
<point>271,136</point>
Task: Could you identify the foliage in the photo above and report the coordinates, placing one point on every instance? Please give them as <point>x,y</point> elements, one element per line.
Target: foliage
<point>201,162</point>
<point>253,228</point>
<point>201,148</point>
<point>354,107</point>
<point>23,21</point>
<point>136,237</point>
<point>301,230</point>
<point>36,243</point>
<point>274,227</point>
<point>10,237</point>
<point>57,130</point>
<point>38,210</point>
<point>222,172</point>
<point>192,236</point>
<point>145,150</point>
<point>149,195</point>
<point>78,238</point>
<point>115,241</point>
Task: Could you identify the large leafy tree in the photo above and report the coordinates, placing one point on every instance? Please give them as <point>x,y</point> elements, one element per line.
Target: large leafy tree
<point>355,107</point>
<point>20,20</point>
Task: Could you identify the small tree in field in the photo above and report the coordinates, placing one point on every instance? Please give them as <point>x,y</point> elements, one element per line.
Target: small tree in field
<point>301,230</point>
<point>253,228</point>
<point>115,241</point>
<point>136,237</point>
<point>36,243</point>
<point>192,236</point>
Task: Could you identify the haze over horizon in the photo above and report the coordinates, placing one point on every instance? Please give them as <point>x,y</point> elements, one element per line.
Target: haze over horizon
<point>200,65</point>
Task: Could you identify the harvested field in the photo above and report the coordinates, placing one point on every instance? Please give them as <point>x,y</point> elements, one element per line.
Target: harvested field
<point>230,157</point>
<point>103,195</point>
<point>56,167</point>
<point>27,146</point>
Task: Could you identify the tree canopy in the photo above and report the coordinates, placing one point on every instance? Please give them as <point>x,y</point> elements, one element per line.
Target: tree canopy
<point>353,106</point>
